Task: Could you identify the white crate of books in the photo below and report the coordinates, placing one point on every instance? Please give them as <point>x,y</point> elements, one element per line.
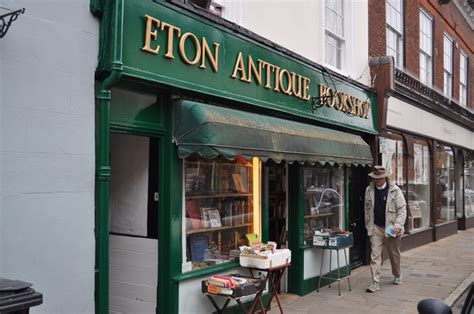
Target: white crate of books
<point>280,257</point>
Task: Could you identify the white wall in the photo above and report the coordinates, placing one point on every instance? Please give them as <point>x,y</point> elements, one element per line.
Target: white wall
<point>299,27</point>
<point>312,261</point>
<point>404,116</point>
<point>47,63</point>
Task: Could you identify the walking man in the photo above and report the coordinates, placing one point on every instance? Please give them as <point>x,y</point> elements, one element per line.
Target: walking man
<point>385,214</point>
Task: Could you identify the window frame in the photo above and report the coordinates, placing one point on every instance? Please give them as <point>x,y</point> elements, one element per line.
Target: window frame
<point>411,187</point>
<point>462,100</point>
<point>443,147</point>
<point>429,77</point>
<point>400,34</point>
<point>341,40</point>
<point>448,72</point>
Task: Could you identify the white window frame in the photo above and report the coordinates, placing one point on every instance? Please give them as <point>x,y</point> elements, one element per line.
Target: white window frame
<point>447,68</point>
<point>395,31</point>
<point>427,78</point>
<point>340,38</point>
<point>463,69</point>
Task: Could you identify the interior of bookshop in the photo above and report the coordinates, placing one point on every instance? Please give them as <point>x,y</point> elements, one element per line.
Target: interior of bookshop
<point>223,206</point>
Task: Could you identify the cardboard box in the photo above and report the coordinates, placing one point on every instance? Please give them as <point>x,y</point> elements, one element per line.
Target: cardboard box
<point>280,257</point>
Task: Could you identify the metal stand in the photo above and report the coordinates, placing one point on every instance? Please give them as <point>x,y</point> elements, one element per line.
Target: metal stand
<point>328,275</point>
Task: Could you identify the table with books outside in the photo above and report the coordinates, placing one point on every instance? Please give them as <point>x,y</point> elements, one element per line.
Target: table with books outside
<point>265,264</point>
<point>334,242</point>
<point>234,287</point>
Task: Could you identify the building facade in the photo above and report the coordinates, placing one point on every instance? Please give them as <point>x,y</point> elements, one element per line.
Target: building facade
<point>208,132</point>
<point>422,69</point>
<point>47,62</point>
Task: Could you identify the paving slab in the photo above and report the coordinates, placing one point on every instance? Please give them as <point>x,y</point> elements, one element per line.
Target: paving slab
<point>435,270</point>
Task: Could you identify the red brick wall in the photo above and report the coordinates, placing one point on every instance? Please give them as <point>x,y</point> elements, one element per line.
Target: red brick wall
<point>377,30</point>
<point>447,18</point>
<point>412,38</point>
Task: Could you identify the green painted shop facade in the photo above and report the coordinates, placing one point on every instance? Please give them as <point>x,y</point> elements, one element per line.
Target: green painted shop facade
<point>188,59</point>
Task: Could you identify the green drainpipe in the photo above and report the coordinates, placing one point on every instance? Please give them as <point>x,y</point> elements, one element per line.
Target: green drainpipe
<point>102,193</point>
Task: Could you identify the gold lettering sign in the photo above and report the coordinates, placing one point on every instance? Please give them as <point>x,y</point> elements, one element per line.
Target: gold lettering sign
<point>196,51</point>
<point>202,50</point>
<point>274,77</point>
<point>342,102</point>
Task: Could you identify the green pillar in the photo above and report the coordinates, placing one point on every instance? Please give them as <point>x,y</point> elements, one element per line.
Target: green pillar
<point>296,228</point>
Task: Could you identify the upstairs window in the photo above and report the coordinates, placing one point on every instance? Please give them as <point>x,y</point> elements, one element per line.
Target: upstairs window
<point>426,48</point>
<point>334,29</point>
<point>394,15</point>
<point>463,79</point>
<point>448,66</point>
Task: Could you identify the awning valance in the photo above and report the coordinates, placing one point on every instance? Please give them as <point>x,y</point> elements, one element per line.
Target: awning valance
<point>212,131</point>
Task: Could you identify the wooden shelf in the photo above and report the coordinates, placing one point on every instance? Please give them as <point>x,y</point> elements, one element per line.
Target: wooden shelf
<point>218,164</point>
<point>218,195</point>
<point>204,230</point>
<point>319,216</point>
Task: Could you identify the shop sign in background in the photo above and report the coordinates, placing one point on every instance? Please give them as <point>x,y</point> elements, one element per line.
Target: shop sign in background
<point>165,44</point>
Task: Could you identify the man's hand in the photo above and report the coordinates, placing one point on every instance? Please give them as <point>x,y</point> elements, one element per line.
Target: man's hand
<point>397,230</point>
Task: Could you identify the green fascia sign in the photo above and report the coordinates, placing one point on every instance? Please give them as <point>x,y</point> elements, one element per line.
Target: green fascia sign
<point>163,43</point>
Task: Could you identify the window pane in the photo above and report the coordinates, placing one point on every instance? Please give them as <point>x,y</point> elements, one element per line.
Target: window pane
<point>445,185</point>
<point>418,198</point>
<point>334,17</point>
<point>448,54</point>
<point>324,200</point>
<point>393,12</point>
<point>469,186</point>
<point>333,51</point>
<point>129,196</point>
<point>219,208</point>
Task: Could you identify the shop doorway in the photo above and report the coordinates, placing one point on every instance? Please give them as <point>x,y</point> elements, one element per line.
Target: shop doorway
<point>277,209</point>
<point>358,181</point>
<point>133,231</point>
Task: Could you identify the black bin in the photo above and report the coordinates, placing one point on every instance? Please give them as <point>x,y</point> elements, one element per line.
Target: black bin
<point>16,297</point>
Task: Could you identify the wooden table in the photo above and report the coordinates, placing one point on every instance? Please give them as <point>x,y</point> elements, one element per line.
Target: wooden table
<point>273,275</point>
<point>260,284</point>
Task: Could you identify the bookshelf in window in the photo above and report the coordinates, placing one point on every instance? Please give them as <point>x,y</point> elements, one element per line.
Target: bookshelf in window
<point>322,208</point>
<point>219,208</point>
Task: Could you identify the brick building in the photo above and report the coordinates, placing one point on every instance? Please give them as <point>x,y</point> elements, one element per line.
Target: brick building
<point>421,65</point>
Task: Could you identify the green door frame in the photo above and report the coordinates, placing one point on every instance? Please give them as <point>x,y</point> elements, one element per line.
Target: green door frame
<point>169,206</point>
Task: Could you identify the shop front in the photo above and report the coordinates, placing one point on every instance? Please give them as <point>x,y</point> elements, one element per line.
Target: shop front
<point>207,133</point>
<point>430,163</point>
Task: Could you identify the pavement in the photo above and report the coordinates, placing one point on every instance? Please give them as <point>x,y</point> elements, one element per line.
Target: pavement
<point>440,270</point>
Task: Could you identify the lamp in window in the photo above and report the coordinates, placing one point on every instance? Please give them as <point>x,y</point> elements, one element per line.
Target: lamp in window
<point>7,19</point>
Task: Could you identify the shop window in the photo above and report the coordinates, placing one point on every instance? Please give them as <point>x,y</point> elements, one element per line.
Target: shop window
<point>418,198</point>
<point>445,185</point>
<point>469,186</point>
<point>391,151</point>
<point>323,199</point>
<point>221,206</point>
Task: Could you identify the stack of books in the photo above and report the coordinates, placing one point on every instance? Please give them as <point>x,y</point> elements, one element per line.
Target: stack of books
<point>223,284</point>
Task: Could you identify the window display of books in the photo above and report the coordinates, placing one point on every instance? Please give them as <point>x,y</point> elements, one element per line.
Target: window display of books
<point>218,206</point>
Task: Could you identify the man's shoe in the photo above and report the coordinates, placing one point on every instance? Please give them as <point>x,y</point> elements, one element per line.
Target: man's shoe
<point>397,280</point>
<point>373,287</point>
